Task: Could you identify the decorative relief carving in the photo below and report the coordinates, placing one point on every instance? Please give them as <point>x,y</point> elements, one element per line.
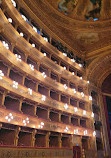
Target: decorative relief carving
<point>22,153</point>
<point>88,38</point>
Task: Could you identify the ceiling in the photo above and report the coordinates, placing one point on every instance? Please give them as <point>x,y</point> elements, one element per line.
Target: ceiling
<point>75,27</point>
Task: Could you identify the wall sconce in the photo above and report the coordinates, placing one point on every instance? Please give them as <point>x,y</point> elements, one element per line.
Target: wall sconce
<point>18,57</point>
<point>92,114</point>
<point>90,97</point>
<point>66,129</point>
<point>76,131</point>
<point>41,125</point>
<point>15,84</point>
<point>66,106</point>
<point>43,74</point>
<point>5,44</point>
<point>84,112</point>
<point>75,109</point>
<point>43,98</point>
<point>26,121</point>
<point>85,132</point>
<point>32,67</point>
<point>9,117</point>
<point>82,94</point>
<point>29,91</point>
<point>65,86</point>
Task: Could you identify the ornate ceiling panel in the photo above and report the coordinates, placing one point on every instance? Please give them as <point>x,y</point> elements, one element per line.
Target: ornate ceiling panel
<point>72,28</point>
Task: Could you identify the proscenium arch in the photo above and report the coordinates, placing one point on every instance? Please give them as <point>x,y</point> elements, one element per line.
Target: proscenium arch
<point>99,69</point>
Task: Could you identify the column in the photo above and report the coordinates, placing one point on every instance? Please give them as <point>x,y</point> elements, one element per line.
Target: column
<point>20,106</point>
<point>59,116</point>
<point>69,119</point>
<point>59,140</point>
<point>33,138</point>
<point>47,139</point>
<point>17,135</point>
<point>48,114</point>
<point>8,72</point>
<point>3,98</point>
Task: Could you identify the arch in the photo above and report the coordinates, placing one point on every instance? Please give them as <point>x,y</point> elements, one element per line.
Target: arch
<point>99,69</point>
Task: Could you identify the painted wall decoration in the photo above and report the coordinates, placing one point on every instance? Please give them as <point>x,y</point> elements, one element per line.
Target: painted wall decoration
<point>67,6</point>
<point>93,9</point>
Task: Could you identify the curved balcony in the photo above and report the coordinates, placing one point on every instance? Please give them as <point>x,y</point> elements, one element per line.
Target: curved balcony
<point>22,91</point>
<point>25,68</point>
<point>23,45</point>
<point>33,122</point>
<point>28,29</point>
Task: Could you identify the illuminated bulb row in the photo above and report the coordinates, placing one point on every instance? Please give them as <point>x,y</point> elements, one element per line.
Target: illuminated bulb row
<point>10,20</point>
<point>43,74</point>
<point>5,44</point>
<point>82,94</point>
<point>66,106</point>
<point>43,98</point>
<point>26,121</point>
<point>46,39</point>
<point>1,75</point>
<point>15,84</point>
<point>65,86</point>
<point>29,91</point>
<point>41,125</point>
<point>9,117</point>
<point>32,67</point>
<point>66,129</point>
<point>18,57</point>
<point>23,16</point>
<point>14,3</point>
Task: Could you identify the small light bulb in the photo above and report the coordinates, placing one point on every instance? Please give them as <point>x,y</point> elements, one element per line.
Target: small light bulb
<point>45,54</point>
<point>10,20</point>
<point>21,34</point>
<point>33,45</point>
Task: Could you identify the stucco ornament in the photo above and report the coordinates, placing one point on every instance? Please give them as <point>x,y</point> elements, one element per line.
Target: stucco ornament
<point>88,38</point>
